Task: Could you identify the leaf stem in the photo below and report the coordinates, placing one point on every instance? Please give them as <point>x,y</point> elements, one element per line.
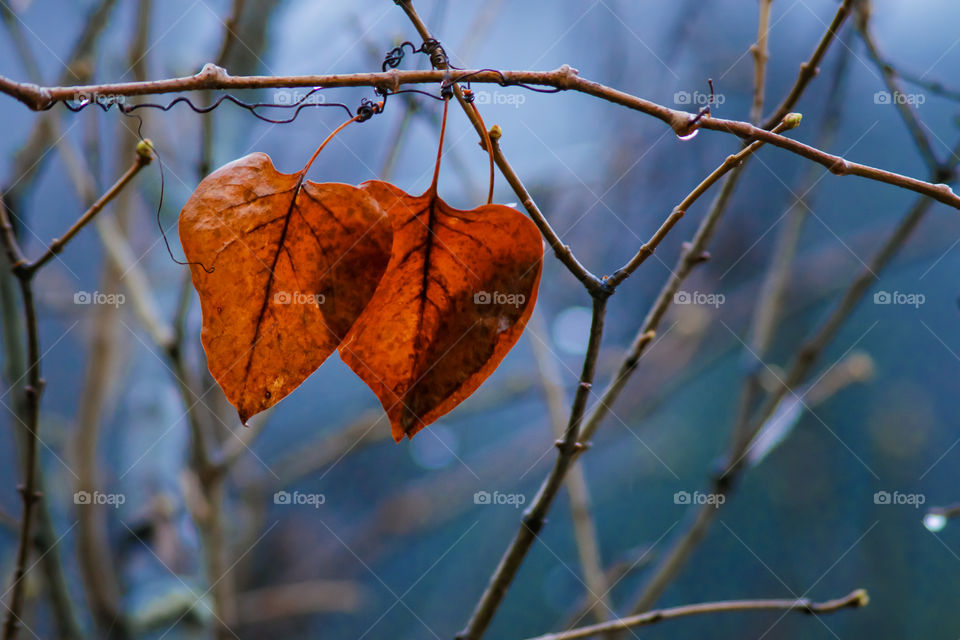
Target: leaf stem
<point>331,136</point>
<point>443,131</point>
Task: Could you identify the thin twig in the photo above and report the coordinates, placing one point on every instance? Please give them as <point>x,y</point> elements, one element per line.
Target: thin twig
<point>20,45</point>
<point>761,54</point>
<point>562,251</point>
<point>695,252</point>
<point>810,68</point>
<point>684,544</point>
<point>735,160</point>
<point>569,447</point>
<point>207,123</point>
<point>24,273</point>
<point>766,313</point>
<point>904,107</point>
<point>682,122</point>
<point>144,157</point>
<point>852,600</point>
<point>584,528</point>
<point>534,518</point>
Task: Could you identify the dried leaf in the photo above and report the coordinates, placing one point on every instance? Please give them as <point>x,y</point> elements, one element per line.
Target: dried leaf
<point>294,264</point>
<point>455,297</point>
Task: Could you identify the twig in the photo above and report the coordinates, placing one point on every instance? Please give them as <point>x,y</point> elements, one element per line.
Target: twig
<point>584,528</point>
<point>95,559</point>
<point>766,312</point>
<point>693,254</point>
<point>904,108</point>
<point>206,131</point>
<point>144,157</point>
<point>23,50</point>
<point>735,160</point>
<point>569,447</point>
<point>690,537</point>
<point>562,251</point>
<point>30,420</point>
<point>761,54</point>
<point>30,159</point>
<point>268,604</point>
<point>613,575</point>
<point>933,86</point>
<point>564,78</point>
<point>810,68</point>
<point>24,273</point>
<point>696,251</point>
<point>534,518</point>
<point>852,600</point>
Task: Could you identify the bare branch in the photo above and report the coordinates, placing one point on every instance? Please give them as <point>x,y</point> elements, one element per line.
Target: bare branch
<point>144,157</point>
<point>852,600</point>
<point>761,54</point>
<point>534,518</point>
<point>810,68</point>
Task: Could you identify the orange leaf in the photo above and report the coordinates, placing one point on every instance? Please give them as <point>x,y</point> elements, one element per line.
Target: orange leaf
<point>294,263</point>
<point>455,297</point>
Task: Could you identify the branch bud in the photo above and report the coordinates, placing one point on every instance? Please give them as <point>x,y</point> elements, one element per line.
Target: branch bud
<point>792,121</point>
<point>145,150</point>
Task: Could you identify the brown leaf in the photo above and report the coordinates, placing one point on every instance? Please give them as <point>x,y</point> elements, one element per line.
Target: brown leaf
<point>294,263</point>
<point>455,297</point>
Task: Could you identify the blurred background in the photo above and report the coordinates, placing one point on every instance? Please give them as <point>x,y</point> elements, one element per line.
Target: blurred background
<point>320,525</point>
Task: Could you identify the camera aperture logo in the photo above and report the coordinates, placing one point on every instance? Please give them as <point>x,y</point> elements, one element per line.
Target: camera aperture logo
<point>297,498</point>
<point>500,97</point>
<point>899,97</point>
<point>96,297</point>
<point>897,297</point>
<point>102,99</point>
<point>895,497</point>
<point>697,297</point>
<point>298,297</point>
<point>698,98</point>
<point>698,497</point>
<point>84,498</point>
<point>298,96</point>
<point>497,297</point>
<point>516,500</point>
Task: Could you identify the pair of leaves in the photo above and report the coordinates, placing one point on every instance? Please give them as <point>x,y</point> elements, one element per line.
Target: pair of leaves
<point>422,300</point>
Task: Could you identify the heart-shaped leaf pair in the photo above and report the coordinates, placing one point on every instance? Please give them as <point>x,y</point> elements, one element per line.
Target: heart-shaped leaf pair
<point>423,301</point>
